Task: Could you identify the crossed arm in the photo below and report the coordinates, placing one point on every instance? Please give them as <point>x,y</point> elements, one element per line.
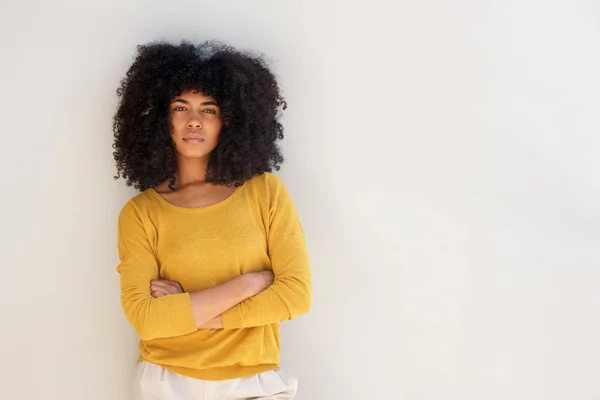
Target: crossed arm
<point>209,304</point>
<point>160,309</point>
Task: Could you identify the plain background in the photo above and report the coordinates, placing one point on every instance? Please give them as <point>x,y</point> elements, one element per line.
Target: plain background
<point>443,156</point>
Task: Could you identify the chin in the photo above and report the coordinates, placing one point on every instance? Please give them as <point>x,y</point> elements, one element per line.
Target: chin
<point>194,154</point>
<point>194,150</point>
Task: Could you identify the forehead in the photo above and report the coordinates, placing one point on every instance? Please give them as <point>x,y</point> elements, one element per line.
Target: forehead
<point>194,96</point>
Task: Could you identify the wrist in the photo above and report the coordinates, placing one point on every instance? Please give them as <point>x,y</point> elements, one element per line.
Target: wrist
<point>215,323</point>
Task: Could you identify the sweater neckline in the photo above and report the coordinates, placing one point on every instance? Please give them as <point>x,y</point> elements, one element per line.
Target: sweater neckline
<point>226,200</point>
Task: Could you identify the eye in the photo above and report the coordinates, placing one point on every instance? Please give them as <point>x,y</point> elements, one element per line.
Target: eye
<point>210,111</point>
<point>179,108</point>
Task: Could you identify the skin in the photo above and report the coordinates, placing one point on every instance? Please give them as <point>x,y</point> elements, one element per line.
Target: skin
<point>197,114</point>
<point>194,112</point>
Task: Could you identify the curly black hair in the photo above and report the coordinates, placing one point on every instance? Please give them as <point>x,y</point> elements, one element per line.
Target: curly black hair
<point>240,81</point>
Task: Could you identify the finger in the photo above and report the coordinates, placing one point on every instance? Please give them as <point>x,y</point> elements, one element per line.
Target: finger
<point>166,289</point>
<point>165,282</point>
<point>160,284</point>
<point>160,292</point>
<point>173,285</point>
<point>156,289</point>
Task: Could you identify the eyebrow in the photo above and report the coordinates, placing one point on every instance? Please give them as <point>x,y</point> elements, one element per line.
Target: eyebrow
<point>206,103</point>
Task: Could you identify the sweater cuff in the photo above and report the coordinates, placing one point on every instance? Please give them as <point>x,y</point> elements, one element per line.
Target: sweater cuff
<point>182,312</point>
<point>180,319</point>
<point>232,318</point>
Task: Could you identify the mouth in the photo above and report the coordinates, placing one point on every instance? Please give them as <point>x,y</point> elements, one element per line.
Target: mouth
<point>193,140</point>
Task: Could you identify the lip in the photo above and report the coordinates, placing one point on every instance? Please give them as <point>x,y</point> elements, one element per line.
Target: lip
<point>193,140</point>
<point>193,137</point>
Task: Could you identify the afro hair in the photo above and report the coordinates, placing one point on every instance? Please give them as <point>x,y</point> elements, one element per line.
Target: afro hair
<point>242,84</point>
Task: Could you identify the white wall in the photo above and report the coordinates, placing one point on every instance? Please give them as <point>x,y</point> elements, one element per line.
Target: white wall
<point>443,156</point>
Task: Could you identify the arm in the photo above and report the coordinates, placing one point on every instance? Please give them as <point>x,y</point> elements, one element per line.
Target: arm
<point>215,323</point>
<point>175,315</point>
<point>290,294</point>
<point>209,304</point>
<point>216,300</point>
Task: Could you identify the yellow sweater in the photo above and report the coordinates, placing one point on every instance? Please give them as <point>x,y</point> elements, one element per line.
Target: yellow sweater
<point>257,227</point>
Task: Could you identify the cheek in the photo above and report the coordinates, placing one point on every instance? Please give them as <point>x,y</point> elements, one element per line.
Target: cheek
<point>213,121</point>
<point>214,126</point>
<point>177,123</point>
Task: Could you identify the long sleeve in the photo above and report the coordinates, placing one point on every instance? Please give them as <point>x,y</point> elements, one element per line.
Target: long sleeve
<point>152,318</point>
<point>291,293</point>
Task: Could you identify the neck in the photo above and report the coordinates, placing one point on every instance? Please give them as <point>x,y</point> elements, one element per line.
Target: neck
<point>190,171</point>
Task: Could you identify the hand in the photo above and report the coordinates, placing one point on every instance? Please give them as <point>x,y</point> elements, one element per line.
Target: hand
<point>259,281</point>
<point>163,287</point>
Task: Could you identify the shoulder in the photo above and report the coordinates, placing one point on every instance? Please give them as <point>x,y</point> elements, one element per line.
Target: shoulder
<point>268,187</point>
<point>135,207</point>
<point>267,181</point>
<point>271,191</point>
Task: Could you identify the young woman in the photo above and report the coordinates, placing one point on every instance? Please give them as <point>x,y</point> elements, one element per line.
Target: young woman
<point>213,255</point>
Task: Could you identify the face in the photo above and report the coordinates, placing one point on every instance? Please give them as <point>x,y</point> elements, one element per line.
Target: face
<point>196,122</point>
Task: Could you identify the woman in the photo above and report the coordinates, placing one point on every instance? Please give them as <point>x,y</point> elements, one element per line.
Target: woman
<point>213,255</point>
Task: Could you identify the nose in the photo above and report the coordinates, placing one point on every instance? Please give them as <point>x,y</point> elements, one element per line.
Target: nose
<point>194,122</point>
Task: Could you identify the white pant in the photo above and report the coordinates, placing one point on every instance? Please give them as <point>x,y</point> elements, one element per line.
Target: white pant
<point>153,382</point>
